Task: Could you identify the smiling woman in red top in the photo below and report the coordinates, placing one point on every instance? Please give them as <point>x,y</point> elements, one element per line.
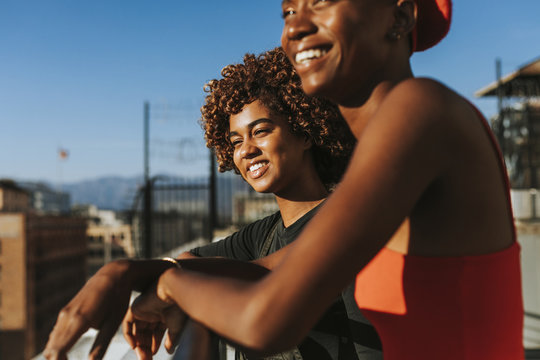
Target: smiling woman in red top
<point>422,217</point>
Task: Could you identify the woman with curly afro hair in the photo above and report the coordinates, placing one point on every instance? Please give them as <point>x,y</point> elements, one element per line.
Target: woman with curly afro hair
<point>271,79</point>
<point>263,126</point>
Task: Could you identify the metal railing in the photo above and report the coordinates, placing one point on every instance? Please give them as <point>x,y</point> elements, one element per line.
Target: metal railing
<point>197,343</point>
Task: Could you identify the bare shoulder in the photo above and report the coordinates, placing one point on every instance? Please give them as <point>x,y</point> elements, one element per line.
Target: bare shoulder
<point>426,104</point>
<point>420,121</point>
<point>429,96</point>
<point>426,88</point>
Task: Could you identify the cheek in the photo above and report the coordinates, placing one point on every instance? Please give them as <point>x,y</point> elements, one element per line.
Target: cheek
<point>283,40</point>
<point>236,161</point>
<point>293,150</point>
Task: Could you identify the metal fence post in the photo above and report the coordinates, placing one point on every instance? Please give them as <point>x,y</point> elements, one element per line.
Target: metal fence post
<point>147,219</point>
<point>212,207</point>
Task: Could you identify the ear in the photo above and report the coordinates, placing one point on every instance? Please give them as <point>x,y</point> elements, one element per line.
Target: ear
<point>404,19</point>
<point>308,143</point>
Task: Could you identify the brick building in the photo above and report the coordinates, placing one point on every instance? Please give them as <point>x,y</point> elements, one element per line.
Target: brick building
<point>42,266</point>
<point>12,197</point>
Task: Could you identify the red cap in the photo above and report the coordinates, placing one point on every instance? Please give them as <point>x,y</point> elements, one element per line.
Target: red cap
<point>432,23</point>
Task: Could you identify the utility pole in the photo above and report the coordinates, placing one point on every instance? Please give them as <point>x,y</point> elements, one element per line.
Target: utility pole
<point>500,90</point>
<point>500,94</point>
<point>147,204</point>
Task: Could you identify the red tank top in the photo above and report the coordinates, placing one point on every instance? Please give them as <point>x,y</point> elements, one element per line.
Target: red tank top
<point>445,308</point>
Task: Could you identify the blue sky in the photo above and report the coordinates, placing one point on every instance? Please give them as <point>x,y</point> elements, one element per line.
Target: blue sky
<point>74,74</point>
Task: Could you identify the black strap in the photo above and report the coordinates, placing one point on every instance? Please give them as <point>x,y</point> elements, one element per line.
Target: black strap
<point>265,249</point>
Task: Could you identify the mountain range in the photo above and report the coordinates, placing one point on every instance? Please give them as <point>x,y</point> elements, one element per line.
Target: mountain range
<point>119,193</point>
<point>111,192</point>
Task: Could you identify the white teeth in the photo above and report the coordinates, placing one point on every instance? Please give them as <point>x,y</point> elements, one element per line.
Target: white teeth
<point>256,166</point>
<point>308,55</point>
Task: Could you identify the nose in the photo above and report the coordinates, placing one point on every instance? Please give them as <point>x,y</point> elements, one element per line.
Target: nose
<point>298,25</point>
<point>248,149</point>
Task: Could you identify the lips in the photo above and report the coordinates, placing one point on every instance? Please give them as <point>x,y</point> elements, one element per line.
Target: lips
<point>256,170</point>
<point>306,56</point>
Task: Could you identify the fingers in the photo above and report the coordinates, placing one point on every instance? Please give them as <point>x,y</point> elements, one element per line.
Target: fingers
<point>103,338</point>
<point>54,354</point>
<point>51,354</point>
<point>147,338</point>
<point>143,333</point>
<point>127,329</point>
<point>171,341</point>
<point>143,353</point>
<point>157,336</point>
<point>68,329</point>
<point>145,324</point>
<point>175,320</point>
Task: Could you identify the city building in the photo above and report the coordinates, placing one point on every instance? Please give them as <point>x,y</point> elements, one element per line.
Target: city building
<point>45,200</point>
<point>42,266</point>
<point>108,238</point>
<point>13,197</point>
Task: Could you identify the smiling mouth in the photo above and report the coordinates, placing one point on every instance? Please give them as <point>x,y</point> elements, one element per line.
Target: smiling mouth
<point>311,54</point>
<point>257,170</point>
<point>256,166</point>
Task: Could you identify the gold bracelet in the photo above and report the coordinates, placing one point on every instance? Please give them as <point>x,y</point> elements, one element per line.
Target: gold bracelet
<point>172,260</point>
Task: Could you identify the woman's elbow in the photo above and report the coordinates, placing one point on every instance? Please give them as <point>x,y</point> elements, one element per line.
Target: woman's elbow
<point>261,340</point>
<point>266,331</point>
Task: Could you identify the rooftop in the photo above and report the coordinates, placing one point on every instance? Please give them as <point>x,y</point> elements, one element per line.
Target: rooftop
<point>524,82</point>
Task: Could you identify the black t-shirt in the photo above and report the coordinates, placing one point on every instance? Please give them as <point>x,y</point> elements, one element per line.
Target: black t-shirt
<point>343,332</point>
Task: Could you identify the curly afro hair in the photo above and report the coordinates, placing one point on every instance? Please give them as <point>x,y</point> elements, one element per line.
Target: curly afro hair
<point>271,79</point>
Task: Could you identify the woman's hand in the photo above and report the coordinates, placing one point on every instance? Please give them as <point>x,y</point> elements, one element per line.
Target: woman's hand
<point>100,304</point>
<point>150,315</point>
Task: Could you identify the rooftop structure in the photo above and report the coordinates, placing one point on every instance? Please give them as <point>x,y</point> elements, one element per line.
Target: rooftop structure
<point>517,125</point>
<point>524,82</point>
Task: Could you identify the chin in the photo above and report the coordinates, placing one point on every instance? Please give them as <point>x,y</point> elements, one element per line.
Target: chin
<point>262,188</point>
<point>316,87</point>
<point>264,191</point>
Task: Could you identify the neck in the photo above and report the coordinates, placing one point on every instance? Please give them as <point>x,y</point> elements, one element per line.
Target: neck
<point>291,211</point>
<point>303,193</point>
<point>358,112</point>
<point>357,117</point>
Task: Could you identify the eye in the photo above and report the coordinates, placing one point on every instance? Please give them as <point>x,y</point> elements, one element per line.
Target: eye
<point>261,131</point>
<point>316,2</point>
<point>287,12</point>
<point>236,141</point>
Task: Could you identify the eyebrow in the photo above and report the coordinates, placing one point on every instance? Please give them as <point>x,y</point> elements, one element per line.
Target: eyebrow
<point>252,124</point>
